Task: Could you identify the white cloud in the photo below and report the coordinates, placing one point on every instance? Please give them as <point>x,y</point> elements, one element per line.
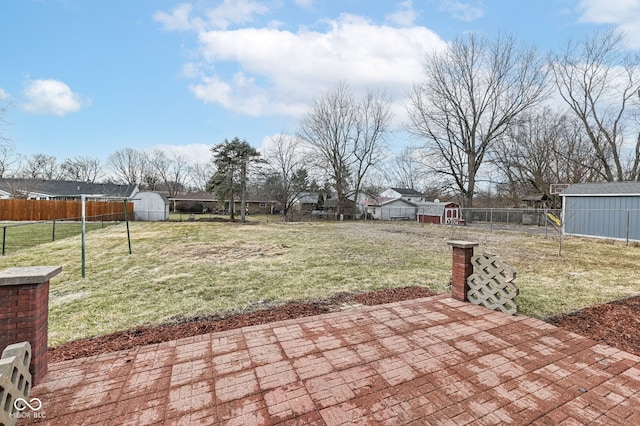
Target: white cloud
<point>196,153</point>
<point>279,72</point>
<point>624,14</point>
<point>227,13</point>
<point>405,16</point>
<point>179,19</point>
<point>465,11</point>
<point>3,94</point>
<point>307,4</point>
<point>51,97</point>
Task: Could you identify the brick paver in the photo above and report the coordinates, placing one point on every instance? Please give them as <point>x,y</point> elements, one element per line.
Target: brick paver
<point>426,361</point>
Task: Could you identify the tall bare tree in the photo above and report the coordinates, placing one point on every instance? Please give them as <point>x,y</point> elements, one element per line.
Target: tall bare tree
<point>82,168</point>
<point>200,173</point>
<point>172,169</point>
<point>128,166</point>
<point>286,175</point>
<point>348,135</point>
<point>3,123</point>
<point>541,148</point>
<point>8,157</point>
<point>473,91</point>
<point>373,127</point>
<point>599,79</point>
<point>40,167</point>
<point>405,170</point>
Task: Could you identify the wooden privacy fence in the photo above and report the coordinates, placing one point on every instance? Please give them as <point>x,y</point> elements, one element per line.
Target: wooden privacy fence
<point>33,210</point>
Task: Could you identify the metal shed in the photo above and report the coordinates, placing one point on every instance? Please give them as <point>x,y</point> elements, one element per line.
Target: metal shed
<point>151,206</point>
<point>602,210</point>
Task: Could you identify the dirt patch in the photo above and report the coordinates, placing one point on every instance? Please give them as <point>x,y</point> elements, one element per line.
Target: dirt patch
<point>220,254</point>
<point>616,324</point>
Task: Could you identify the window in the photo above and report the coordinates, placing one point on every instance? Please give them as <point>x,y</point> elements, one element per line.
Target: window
<point>263,205</point>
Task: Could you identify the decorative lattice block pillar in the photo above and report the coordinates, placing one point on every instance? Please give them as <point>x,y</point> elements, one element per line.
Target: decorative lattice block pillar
<point>24,312</point>
<point>461,268</point>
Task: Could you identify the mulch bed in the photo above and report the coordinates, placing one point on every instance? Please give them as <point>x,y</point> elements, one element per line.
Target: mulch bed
<point>616,324</point>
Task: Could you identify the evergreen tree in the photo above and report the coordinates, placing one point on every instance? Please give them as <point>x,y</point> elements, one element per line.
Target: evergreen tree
<point>232,160</point>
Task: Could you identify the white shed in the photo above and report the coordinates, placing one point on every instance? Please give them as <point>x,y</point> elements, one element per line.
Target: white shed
<point>391,209</point>
<point>151,206</point>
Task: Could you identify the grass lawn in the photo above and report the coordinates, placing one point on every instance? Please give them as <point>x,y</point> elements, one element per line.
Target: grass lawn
<point>21,235</point>
<point>201,268</point>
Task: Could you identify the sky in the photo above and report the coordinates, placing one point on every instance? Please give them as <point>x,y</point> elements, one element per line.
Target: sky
<point>90,77</point>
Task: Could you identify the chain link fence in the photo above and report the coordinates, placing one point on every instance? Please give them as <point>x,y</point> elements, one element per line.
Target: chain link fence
<point>524,220</point>
<point>21,235</point>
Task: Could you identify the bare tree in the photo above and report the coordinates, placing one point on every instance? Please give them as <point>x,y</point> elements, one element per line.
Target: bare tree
<point>405,169</point>
<point>40,167</point>
<point>8,157</point>
<point>542,148</point>
<point>3,123</point>
<point>128,166</point>
<point>598,78</point>
<point>81,168</point>
<point>286,177</point>
<point>373,126</point>
<point>347,136</point>
<point>173,171</point>
<point>200,174</point>
<point>473,91</point>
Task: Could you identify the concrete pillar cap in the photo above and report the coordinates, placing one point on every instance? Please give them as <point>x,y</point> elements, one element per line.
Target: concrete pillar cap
<point>462,244</point>
<point>28,275</point>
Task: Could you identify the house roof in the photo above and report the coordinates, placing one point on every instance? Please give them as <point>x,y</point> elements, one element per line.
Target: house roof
<point>308,198</point>
<point>407,191</point>
<point>194,196</point>
<point>607,189</point>
<point>61,188</point>
<point>383,201</point>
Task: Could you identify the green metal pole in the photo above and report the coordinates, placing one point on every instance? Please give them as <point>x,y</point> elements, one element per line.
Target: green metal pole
<point>126,219</point>
<point>84,201</point>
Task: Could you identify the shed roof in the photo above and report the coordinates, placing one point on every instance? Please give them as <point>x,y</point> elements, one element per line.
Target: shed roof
<point>608,189</point>
<point>407,191</point>
<point>433,208</point>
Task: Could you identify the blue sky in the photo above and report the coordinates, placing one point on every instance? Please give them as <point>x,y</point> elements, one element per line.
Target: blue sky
<point>89,77</point>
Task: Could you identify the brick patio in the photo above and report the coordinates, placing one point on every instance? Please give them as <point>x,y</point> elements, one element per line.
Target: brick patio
<point>425,361</point>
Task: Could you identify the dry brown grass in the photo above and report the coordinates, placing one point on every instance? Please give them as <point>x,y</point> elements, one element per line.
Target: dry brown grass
<point>194,268</point>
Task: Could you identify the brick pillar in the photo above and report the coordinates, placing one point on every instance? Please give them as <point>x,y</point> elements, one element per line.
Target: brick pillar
<point>461,268</point>
<point>24,312</point>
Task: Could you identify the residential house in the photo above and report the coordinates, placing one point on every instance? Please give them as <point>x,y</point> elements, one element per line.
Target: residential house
<point>36,189</point>
<point>407,194</point>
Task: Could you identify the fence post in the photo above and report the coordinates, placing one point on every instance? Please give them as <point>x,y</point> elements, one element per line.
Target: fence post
<point>628,226</point>
<point>491,220</point>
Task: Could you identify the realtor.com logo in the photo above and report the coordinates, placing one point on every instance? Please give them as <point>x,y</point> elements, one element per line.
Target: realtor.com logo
<point>34,404</point>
